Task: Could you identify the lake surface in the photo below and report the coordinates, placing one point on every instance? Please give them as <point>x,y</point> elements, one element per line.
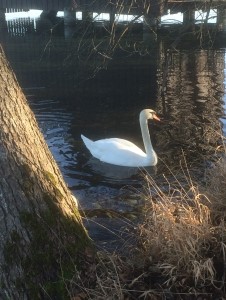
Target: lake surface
<point>186,88</point>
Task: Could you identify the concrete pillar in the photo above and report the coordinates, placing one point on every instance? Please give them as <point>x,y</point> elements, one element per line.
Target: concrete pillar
<point>3,24</point>
<point>189,17</point>
<point>87,16</point>
<point>150,25</point>
<point>221,19</point>
<point>69,23</point>
<point>112,15</point>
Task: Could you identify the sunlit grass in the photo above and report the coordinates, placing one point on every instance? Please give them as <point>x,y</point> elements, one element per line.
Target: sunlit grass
<point>180,244</point>
<point>180,236</point>
<point>184,233</point>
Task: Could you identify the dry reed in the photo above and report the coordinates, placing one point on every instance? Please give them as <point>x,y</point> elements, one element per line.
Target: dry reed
<point>181,245</point>
<point>184,232</point>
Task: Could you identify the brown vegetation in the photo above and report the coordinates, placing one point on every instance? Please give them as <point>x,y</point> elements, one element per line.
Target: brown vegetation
<point>181,245</point>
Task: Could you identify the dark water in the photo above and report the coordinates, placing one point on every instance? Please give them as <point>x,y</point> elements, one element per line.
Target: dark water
<point>186,88</point>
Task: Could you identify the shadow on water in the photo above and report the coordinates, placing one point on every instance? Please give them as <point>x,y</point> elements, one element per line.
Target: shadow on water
<point>184,87</point>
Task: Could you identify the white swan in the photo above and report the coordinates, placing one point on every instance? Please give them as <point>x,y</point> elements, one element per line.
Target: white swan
<point>121,152</point>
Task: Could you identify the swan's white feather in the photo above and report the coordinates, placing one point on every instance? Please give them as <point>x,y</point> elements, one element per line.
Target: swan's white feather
<point>121,152</point>
<point>117,152</point>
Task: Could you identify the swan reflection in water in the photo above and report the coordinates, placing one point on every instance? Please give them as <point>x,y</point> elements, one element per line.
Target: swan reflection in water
<point>118,172</point>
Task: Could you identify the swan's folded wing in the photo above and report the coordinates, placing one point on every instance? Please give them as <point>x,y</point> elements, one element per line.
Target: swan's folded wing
<point>117,151</point>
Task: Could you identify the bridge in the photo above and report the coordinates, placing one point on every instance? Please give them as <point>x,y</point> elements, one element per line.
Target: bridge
<point>151,9</point>
<point>106,6</point>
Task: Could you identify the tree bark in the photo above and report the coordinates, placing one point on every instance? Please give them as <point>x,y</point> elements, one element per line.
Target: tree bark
<point>41,232</point>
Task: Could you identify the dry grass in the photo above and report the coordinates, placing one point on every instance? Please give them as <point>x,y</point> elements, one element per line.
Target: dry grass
<point>184,232</point>
<point>178,233</point>
<point>181,245</point>
<point>216,187</point>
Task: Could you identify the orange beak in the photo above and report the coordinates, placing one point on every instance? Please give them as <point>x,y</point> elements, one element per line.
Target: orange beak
<point>156,118</point>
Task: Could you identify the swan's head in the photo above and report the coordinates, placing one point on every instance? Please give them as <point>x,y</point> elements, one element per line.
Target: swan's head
<point>146,114</point>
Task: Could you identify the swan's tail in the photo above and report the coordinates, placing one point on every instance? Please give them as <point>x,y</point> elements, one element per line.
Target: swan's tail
<point>87,142</point>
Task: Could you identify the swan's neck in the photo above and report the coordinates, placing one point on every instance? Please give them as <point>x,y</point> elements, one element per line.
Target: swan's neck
<point>146,136</point>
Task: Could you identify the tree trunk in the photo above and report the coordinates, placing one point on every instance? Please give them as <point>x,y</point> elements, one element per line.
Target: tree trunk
<point>41,232</point>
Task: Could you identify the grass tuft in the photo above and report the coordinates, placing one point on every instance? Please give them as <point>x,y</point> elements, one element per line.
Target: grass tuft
<point>180,248</point>
<point>184,232</point>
